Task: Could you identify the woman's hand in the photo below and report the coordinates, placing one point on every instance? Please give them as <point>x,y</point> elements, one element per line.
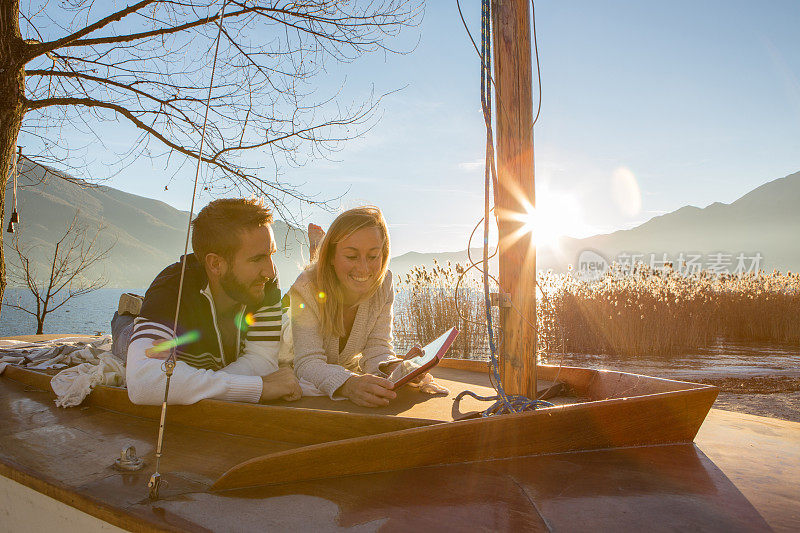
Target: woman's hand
<point>368,390</point>
<point>281,384</point>
<point>388,367</point>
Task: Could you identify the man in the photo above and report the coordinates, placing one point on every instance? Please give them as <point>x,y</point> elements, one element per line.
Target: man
<point>228,329</point>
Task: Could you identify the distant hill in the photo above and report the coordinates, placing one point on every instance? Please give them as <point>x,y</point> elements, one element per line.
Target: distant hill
<point>765,221</point>
<point>149,234</point>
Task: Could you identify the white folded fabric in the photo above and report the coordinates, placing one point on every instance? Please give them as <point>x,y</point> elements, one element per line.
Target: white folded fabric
<point>72,385</point>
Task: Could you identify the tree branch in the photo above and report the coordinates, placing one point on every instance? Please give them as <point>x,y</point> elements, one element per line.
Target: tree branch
<point>157,33</point>
<point>43,48</point>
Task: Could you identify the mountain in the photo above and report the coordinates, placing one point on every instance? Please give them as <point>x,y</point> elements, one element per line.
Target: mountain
<point>764,224</point>
<point>149,234</point>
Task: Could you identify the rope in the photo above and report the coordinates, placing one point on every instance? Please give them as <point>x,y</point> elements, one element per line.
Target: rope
<point>512,404</point>
<point>504,403</point>
<point>169,364</point>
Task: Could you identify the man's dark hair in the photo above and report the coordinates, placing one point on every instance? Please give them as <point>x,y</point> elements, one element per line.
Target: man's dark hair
<point>217,227</point>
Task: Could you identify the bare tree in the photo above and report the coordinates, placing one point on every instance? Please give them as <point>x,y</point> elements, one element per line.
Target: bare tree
<point>74,256</point>
<point>82,62</point>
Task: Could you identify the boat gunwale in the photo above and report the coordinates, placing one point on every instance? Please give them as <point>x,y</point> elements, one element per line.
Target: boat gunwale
<point>263,420</point>
<point>41,381</point>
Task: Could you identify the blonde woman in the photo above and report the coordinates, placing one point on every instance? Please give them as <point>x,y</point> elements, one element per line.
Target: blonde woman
<point>342,311</point>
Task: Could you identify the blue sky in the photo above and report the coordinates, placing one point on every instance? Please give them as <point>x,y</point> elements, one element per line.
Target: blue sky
<point>647,106</point>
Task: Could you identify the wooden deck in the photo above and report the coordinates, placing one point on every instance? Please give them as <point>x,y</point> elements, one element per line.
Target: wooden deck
<point>322,464</point>
<point>740,475</point>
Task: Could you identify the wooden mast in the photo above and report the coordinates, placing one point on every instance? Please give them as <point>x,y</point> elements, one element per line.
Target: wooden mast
<point>514,196</point>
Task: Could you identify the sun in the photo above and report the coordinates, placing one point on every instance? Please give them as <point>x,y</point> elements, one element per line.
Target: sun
<point>557,215</point>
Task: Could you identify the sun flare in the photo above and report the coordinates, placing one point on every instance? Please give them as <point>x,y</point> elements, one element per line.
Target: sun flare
<point>557,215</point>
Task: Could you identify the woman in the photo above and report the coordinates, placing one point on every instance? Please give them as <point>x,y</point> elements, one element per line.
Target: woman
<point>342,311</point>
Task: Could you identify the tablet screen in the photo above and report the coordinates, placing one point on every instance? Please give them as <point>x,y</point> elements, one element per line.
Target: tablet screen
<point>410,365</point>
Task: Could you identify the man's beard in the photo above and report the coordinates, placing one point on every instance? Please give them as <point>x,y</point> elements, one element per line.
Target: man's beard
<point>243,293</point>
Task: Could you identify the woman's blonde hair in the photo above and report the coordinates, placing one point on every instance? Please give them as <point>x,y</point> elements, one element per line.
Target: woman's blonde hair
<point>330,296</point>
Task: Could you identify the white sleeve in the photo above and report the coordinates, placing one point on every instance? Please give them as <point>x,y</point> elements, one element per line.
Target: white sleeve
<point>261,345</point>
<point>379,347</point>
<point>146,378</point>
<point>310,361</point>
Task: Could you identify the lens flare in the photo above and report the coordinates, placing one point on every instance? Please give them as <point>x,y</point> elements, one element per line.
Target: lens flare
<point>627,193</point>
<point>167,346</point>
<point>243,320</point>
<point>321,295</point>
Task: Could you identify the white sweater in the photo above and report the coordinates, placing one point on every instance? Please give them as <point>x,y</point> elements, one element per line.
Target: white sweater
<point>317,357</point>
<point>239,381</point>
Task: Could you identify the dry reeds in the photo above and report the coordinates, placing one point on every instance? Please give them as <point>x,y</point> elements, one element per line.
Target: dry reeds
<point>427,304</point>
<point>636,312</point>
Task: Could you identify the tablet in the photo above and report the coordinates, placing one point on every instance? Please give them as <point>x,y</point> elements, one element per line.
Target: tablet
<point>409,369</point>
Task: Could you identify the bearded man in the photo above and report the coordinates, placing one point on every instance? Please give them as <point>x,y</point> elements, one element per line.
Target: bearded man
<point>228,329</point>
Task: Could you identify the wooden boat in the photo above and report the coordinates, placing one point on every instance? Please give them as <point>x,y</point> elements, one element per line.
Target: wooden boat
<point>322,438</point>
<point>620,458</point>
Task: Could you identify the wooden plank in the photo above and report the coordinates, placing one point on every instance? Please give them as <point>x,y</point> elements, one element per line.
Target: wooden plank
<point>761,456</point>
<point>515,197</point>
<point>655,419</point>
<point>465,364</point>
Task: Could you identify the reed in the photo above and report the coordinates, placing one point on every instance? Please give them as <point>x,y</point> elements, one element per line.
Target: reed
<point>634,312</point>
<point>427,304</point>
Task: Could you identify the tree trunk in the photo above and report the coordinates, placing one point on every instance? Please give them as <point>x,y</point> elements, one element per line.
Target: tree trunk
<point>12,105</point>
<point>40,325</point>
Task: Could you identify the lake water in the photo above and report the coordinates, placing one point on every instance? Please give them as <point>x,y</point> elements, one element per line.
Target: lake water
<point>87,314</point>
<point>725,358</point>
<point>92,313</point>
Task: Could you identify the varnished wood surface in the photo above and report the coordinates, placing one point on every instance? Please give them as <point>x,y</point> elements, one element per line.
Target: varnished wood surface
<point>280,422</point>
<point>621,423</point>
<point>605,424</point>
<point>67,454</point>
<point>348,441</point>
<point>761,457</point>
<point>677,487</point>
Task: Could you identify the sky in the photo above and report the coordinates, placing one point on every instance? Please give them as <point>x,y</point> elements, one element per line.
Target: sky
<point>646,107</point>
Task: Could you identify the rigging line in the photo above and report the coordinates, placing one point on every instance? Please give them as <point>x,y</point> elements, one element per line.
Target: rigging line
<point>169,364</point>
<point>486,76</point>
<point>538,71</point>
<point>490,176</point>
<point>197,171</point>
<point>536,53</point>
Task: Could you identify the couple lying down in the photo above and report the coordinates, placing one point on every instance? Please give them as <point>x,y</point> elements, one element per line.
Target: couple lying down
<point>234,342</point>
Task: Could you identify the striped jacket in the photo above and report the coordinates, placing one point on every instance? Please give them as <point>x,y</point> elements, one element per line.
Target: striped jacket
<point>203,370</point>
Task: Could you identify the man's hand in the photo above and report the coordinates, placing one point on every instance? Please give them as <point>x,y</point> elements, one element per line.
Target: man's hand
<point>281,384</point>
<point>368,390</point>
